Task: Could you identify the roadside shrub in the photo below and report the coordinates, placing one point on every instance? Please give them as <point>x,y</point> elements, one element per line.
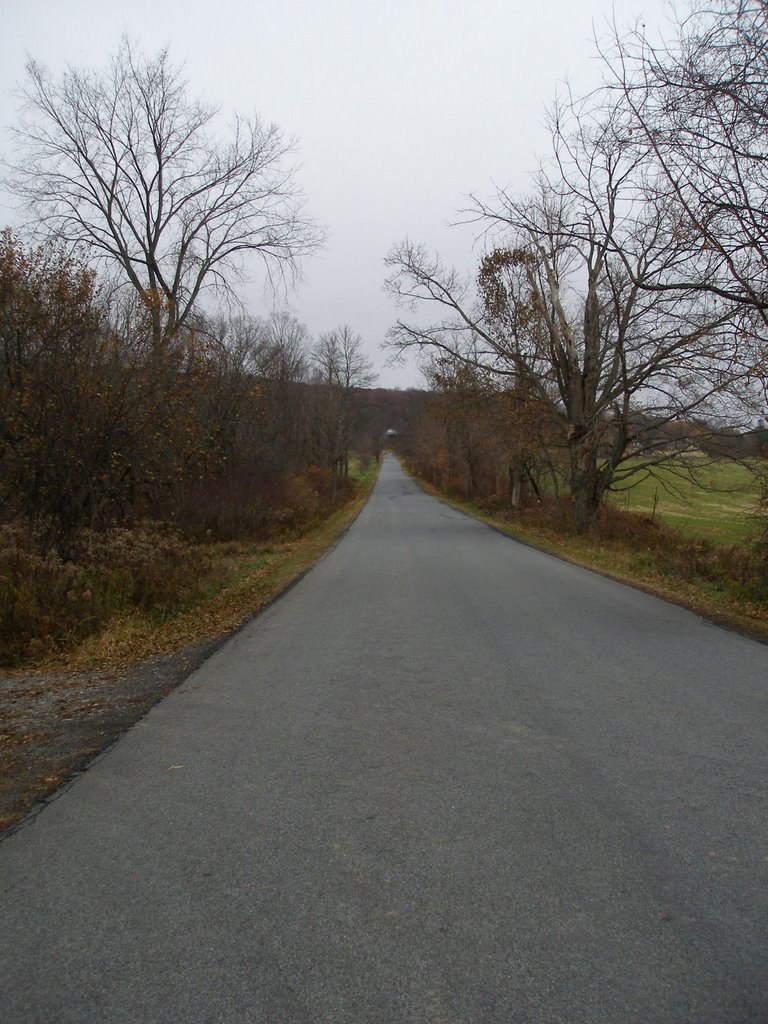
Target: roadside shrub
<point>48,604</point>
<point>320,481</point>
<point>255,504</point>
<point>742,569</point>
<point>241,504</point>
<point>44,602</point>
<point>660,548</point>
<point>149,567</point>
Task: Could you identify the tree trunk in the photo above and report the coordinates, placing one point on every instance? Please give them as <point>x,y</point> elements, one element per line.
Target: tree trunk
<point>516,471</point>
<point>585,488</point>
<point>471,474</point>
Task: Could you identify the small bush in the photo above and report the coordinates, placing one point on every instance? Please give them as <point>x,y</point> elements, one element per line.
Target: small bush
<point>43,601</point>
<point>48,604</point>
<point>148,567</point>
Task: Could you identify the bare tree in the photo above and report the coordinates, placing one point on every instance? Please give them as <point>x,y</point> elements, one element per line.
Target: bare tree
<point>561,309</point>
<point>283,370</point>
<point>124,161</point>
<point>340,366</point>
<point>285,350</point>
<point>697,104</point>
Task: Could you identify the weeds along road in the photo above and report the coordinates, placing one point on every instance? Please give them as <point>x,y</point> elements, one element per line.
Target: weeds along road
<point>445,779</point>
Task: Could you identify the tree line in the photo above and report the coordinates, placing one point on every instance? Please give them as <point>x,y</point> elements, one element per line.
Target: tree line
<point>617,319</point>
<point>215,433</point>
<point>124,395</point>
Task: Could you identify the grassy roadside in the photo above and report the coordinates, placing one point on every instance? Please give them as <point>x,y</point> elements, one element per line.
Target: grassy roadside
<point>725,603</point>
<point>718,505</point>
<point>240,579</point>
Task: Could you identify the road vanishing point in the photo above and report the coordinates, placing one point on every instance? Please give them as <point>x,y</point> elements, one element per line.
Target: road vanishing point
<point>446,779</point>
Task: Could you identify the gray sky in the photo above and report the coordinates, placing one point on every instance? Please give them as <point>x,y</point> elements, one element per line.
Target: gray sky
<point>400,109</point>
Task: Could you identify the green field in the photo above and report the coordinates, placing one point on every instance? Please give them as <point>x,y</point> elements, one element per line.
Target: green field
<point>717,506</point>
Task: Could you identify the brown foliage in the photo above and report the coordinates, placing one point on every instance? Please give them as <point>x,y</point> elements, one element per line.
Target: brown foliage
<point>216,433</point>
<point>47,604</point>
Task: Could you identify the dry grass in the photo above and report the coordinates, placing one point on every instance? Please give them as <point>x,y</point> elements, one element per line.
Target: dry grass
<point>230,582</point>
<point>725,583</point>
<point>718,503</point>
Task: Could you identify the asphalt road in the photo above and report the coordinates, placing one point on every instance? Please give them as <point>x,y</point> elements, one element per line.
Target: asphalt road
<point>446,778</point>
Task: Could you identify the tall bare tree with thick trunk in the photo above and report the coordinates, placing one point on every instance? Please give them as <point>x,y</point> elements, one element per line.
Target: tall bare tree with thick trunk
<point>696,101</point>
<point>125,162</point>
<point>566,306</point>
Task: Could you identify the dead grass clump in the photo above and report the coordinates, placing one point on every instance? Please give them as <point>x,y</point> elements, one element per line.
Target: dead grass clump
<point>155,570</point>
<point>48,604</point>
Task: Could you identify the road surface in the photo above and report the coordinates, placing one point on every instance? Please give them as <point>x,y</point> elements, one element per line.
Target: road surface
<point>446,779</point>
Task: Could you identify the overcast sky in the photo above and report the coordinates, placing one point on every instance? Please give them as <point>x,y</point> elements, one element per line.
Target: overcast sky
<point>400,108</point>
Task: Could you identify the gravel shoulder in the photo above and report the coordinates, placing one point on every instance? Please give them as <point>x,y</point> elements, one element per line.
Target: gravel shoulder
<point>54,724</point>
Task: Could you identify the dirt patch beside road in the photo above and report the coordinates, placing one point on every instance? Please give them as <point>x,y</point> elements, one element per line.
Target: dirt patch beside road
<point>52,725</point>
